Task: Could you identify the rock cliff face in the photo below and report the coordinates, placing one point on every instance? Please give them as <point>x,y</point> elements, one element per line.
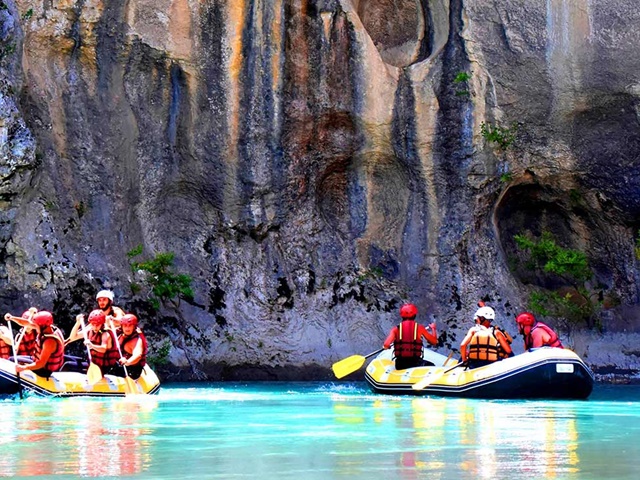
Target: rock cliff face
<point>314,164</point>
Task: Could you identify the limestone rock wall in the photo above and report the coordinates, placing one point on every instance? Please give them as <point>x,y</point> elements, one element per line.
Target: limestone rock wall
<point>313,164</point>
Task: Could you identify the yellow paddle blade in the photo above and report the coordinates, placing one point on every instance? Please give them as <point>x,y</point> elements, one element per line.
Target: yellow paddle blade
<point>131,387</point>
<point>348,365</point>
<point>94,374</point>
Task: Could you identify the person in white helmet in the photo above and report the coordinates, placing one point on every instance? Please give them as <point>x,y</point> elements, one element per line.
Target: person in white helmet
<point>112,314</point>
<point>485,343</point>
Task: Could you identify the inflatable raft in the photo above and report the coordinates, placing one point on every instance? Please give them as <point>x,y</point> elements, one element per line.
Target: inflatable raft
<point>73,383</point>
<point>540,373</point>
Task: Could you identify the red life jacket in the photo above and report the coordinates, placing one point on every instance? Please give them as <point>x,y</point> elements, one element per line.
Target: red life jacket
<point>554,341</point>
<point>5,349</point>
<point>103,359</point>
<point>408,343</point>
<point>133,338</point>
<point>28,343</point>
<point>57,357</point>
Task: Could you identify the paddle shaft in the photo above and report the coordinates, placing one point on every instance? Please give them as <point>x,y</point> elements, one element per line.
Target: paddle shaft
<point>15,357</point>
<point>421,385</point>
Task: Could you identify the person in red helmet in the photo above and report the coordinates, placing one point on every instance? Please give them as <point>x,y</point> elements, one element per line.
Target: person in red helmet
<point>536,334</point>
<point>49,355</point>
<point>406,338</point>
<point>99,339</point>
<point>133,347</point>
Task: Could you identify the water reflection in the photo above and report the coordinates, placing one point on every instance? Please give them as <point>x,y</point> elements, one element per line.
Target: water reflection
<point>485,439</point>
<point>85,437</point>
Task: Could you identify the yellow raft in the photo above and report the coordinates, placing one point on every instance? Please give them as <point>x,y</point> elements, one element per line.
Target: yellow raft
<point>73,384</point>
<point>540,373</point>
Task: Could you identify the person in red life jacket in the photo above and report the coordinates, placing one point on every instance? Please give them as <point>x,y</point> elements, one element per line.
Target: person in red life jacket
<point>100,340</point>
<point>49,355</point>
<point>133,346</point>
<point>484,343</point>
<point>26,337</point>
<point>407,339</point>
<point>536,334</point>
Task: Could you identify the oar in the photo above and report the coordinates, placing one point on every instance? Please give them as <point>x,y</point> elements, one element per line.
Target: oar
<point>94,374</point>
<point>425,382</point>
<point>351,364</point>
<point>130,385</point>
<point>15,358</point>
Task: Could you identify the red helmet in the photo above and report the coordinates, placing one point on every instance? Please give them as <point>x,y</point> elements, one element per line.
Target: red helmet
<point>129,319</point>
<point>408,310</point>
<point>97,317</point>
<point>27,315</point>
<point>43,319</point>
<point>526,319</point>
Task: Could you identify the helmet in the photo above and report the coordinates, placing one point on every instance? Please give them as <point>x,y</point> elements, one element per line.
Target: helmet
<point>487,313</point>
<point>27,314</point>
<point>526,319</point>
<point>97,317</point>
<point>43,319</point>
<point>105,294</point>
<point>129,319</point>
<point>408,310</point>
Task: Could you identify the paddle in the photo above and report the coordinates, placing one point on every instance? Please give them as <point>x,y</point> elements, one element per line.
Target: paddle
<point>425,382</point>
<point>351,364</point>
<point>94,374</point>
<point>130,385</point>
<point>15,358</point>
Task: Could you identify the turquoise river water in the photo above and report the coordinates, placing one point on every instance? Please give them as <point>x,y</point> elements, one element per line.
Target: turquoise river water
<point>319,431</point>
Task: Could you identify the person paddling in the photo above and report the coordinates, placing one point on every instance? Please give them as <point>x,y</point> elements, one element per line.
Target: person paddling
<point>133,348</point>
<point>536,334</point>
<point>49,355</point>
<point>407,339</point>
<point>26,337</point>
<point>112,313</point>
<point>100,340</point>
<point>484,343</point>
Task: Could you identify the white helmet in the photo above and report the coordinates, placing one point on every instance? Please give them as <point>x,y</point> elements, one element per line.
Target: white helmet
<point>485,312</point>
<point>105,294</point>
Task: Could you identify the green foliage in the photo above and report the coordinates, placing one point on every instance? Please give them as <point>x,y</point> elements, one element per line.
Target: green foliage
<point>551,258</point>
<point>165,285</point>
<point>161,355</point>
<point>506,177</point>
<point>462,77</point>
<point>28,14</point>
<point>573,302</point>
<point>638,246</point>
<point>503,137</point>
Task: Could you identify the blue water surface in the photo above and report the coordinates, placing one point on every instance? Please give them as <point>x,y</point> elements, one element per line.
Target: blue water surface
<point>317,430</point>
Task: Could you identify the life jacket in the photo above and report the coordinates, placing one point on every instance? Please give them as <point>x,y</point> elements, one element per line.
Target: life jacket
<point>554,341</point>
<point>408,343</point>
<point>133,338</point>
<point>501,351</point>
<point>484,346</point>
<point>5,349</point>
<point>55,361</point>
<point>103,359</point>
<point>28,343</point>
